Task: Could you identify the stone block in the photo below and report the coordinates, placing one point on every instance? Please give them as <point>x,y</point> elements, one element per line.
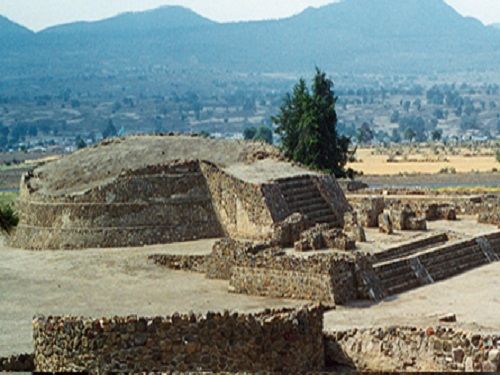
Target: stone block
<point>385,223</point>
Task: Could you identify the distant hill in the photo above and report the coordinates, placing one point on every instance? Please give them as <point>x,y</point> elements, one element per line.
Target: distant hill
<point>13,38</point>
<point>135,23</point>
<point>408,36</point>
<point>497,25</point>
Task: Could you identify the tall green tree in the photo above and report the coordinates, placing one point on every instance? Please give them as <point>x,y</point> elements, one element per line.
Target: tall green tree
<point>307,126</point>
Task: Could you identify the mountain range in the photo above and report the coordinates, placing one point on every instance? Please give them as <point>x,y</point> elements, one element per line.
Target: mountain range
<point>407,36</point>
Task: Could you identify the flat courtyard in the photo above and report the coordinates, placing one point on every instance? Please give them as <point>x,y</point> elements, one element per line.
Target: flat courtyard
<point>121,281</point>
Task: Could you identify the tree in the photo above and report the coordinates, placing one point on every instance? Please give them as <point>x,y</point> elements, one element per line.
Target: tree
<point>395,137</point>
<point>395,117</point>
<point>410,134</point>
<point>437,135</point>
<point>264,134</point>
<point>109,130</point>
<point>249,133</point>
<point>307,126</point>
<point>365,134</point>
<point>80,143</point>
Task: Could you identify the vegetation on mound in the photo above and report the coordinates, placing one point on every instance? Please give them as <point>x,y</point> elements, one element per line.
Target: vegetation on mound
<point>8,217</point>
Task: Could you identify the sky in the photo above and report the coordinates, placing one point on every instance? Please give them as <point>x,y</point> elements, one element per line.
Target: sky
<point>39,14</point>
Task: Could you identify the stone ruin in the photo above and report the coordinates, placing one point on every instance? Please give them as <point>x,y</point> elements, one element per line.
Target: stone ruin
<point>151,190</point>
<point>287,232</point>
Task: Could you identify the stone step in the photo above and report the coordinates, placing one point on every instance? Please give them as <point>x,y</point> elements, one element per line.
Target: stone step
<point>403,287</point>
<point>308,206</point>
<point>408,249</point>
<point>295,182</point>
<point>397,279</point>
<point>448,255</point>
<point>302,196</point>
<point>447,272</point>
<point>441,270</point>
<point>395,270</point>
<point>301,192</point>
<point>328,219</point>
<point>320,213</point>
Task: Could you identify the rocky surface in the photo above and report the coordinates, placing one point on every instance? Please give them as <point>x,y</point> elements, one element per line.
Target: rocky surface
<point>195,263</point>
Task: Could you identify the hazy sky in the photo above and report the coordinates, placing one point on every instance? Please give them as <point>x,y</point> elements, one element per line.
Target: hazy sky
<point>38,14</point>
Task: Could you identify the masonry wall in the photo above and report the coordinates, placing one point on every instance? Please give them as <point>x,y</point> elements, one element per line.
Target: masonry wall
<point>326,278</point>
<point>487,208</point>
<point>240,206</point>
<point>289,341</point>
<point>158,204</point>
<point>413,349</point>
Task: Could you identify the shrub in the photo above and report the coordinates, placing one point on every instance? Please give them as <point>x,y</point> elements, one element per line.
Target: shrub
<point>8,218</point>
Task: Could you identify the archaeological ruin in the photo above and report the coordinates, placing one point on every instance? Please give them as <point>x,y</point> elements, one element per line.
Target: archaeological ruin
<point>279,231</point>
<point>149,190</point>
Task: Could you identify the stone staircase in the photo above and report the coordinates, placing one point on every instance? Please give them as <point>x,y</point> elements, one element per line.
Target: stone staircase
<point>397,276</point>
<point>428,265</point>
<point>413,247</point>
<point>302,195</point>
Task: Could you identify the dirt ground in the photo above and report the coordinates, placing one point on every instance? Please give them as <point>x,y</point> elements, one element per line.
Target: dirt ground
<point>377,164</point>
<point>107,282</point>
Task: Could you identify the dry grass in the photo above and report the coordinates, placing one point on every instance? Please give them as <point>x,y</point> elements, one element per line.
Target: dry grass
<point>374,163</point>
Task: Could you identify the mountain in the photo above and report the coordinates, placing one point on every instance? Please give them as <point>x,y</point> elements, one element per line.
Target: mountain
<point>408,36</point>
<point>135,23</point>
<point>15,44</point>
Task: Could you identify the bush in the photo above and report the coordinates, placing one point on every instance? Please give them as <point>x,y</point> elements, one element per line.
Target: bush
<point>8,219</point>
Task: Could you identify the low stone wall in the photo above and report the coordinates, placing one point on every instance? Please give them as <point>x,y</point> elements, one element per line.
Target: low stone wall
<point>288,341</point>
<point>413,349</point>
<point>17,363</point>
<point>226,253</point>
<point>194,263</point>
<point>485,207</point>
<point>327,278</point>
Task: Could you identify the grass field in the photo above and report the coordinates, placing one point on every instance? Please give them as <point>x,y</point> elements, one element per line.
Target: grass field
<point>7,199</point>
<point>374,163</point>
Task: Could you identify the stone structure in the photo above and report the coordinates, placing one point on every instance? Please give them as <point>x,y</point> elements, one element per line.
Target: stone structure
<point>486,207</point>
<point>194,263</point>
<point>321,237</point>
<point>405,218</point>
<point>17,363</point>
<point>413,349</point>
<point>150,189</point>
<point>407,267</point>
<point>370,210</point>
<point>352,227</point>
<point>328,278</point>
<point>287,341</point>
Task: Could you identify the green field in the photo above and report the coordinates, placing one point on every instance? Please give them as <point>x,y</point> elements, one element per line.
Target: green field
<point>7,199</point>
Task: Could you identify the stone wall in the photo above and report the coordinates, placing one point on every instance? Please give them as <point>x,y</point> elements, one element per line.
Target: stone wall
<point>157,204</point>
<point>485,207</point>
<point>17,363</point>
<point>327,278</point>
<point>226,253</point>
<point>240,206</point>
<point>413,349</point>
<point>288,341</point>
